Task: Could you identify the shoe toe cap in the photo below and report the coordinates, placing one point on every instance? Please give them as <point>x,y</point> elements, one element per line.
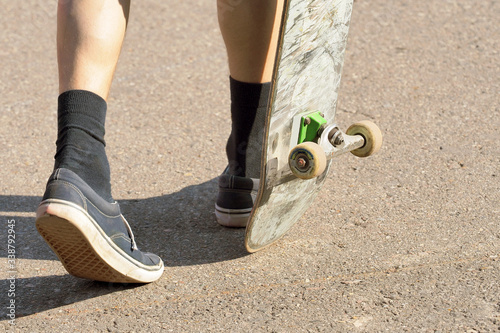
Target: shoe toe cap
<point>153,258</point>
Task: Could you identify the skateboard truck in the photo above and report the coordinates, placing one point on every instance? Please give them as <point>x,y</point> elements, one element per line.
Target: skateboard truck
<point>309,159</point>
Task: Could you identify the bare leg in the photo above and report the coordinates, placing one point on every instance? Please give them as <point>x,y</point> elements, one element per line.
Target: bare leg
<point>89,39</point>
<point>250,31</point>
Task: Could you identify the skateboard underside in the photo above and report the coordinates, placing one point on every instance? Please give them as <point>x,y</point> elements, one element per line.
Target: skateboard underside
<point>306,79</point>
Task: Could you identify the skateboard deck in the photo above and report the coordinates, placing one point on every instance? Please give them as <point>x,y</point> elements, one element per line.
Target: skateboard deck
<point>305,87</point>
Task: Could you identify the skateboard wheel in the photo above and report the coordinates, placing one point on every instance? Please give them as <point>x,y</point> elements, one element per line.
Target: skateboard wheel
<point>372,135</point>
<point>307,160</point>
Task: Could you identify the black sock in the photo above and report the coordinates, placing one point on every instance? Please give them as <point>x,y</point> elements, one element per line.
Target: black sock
<point>80,139</point>
<point>248,102</point>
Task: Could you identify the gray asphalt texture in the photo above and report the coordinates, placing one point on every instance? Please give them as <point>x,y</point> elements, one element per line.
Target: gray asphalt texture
<point>405,241</point>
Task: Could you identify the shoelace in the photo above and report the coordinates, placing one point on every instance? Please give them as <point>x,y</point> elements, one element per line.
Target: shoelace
<point>131,234</point>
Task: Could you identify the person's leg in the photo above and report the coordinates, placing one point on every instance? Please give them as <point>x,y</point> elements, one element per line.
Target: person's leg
<point>250,29</point>
<point>77,216</point>
<point>89,40</point>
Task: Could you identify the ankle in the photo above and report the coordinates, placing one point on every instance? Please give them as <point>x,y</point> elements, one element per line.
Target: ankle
<point>249,102</point>
<point>80,140</point>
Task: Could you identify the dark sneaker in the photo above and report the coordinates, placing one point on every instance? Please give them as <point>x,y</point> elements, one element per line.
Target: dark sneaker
<point>235,200</point>
<point>90,235</point>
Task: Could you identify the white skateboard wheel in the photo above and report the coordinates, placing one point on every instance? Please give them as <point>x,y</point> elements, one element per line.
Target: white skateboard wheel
<point>372,135</point>
<point>307,160</point>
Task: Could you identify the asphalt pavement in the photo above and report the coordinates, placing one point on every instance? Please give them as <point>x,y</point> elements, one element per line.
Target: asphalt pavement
<point>405,241</point>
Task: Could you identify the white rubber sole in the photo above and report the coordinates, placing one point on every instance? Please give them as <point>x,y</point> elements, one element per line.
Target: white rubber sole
<point>233,218</point>
<point>85,250</point>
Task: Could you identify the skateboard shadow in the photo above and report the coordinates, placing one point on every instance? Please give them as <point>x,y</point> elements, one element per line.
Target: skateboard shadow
<point>180,227</point>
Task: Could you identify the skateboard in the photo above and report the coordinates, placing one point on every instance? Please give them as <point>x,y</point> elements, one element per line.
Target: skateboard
<point>301,136</point>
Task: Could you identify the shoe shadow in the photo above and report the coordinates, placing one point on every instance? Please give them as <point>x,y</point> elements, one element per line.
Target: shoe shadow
<point>180,227</point>
<point>41,293</point>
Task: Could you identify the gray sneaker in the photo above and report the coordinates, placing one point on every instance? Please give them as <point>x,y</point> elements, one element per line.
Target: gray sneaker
<point>90,235</point>
<point>235,200</point>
